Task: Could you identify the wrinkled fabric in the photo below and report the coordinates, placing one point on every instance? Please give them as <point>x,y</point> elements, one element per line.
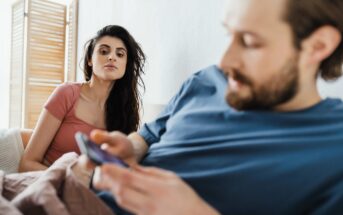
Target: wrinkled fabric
<point>55,191</point>
<point>254,161</point>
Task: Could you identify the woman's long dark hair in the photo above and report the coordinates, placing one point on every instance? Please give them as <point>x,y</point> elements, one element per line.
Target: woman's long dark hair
<point>123,103</point>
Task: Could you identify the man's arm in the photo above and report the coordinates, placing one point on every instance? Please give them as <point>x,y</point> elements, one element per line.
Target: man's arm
<point>140,147</point>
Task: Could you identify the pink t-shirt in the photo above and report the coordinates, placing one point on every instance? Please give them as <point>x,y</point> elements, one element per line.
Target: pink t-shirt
<point>61,104</point>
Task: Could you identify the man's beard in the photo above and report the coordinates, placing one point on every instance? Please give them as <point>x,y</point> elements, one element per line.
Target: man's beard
<point>280,88</point>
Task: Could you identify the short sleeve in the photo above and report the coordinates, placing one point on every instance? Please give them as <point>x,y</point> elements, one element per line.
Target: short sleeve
<point>152,132</point>
<point>60,101</point>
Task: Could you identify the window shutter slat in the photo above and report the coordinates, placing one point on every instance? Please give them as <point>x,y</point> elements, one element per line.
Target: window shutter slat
<point>45,55</point>
<point>38,56</point>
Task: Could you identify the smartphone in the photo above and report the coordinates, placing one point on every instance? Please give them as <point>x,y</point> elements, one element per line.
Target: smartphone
<point>95,153</point>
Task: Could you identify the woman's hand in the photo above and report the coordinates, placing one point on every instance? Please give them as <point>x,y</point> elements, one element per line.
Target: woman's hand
<point>149,191</point>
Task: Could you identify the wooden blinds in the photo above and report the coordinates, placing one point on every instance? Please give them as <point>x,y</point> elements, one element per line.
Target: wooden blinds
<point>39,54</point>
<point>45,55</point>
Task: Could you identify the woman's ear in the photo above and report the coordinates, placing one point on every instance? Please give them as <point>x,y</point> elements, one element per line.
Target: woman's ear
<point>90,63</point>
<point>321,43</point>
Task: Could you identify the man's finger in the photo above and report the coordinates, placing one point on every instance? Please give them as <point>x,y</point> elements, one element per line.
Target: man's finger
<point>85,162</point>
<point>133,179</point>
<point>153,171</point>
<point>130,199</point>
<point>100,136</point>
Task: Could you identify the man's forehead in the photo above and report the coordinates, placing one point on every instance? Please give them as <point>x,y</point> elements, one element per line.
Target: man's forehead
<point>253,13</point>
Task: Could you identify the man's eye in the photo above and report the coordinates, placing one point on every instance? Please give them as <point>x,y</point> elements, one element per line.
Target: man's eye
<point>249,43</point>
<point>253,46</point>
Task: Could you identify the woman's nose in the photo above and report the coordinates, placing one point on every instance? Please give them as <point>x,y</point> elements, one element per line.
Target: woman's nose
<point>111,57</point>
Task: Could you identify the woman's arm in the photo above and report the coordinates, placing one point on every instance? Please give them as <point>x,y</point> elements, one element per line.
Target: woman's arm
<point>43,134</point>
<point>25,136</point>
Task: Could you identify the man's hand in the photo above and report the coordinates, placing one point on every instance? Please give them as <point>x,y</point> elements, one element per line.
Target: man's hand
<point>115,143</point>
<point>129,148</point>
<point>149,191</point>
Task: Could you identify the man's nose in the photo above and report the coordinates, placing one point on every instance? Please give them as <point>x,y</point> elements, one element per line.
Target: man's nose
<point>231,58</point>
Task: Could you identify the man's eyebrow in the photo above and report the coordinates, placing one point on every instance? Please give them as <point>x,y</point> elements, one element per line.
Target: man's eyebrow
<point>243,32</point>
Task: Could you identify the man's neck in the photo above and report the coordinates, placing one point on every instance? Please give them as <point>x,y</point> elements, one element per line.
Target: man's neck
<point>305,98</point>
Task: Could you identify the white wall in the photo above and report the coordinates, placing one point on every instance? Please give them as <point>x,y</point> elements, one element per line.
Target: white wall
<point>179,37</point>
<point>331,89</point>
<point>5,53</point>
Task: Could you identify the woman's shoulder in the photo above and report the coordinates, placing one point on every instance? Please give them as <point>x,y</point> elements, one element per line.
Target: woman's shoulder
<point>67,91</point>
<point>69,87</point>
<point>64,97</point>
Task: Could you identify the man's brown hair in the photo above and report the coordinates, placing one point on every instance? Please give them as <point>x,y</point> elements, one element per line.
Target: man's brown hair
<point>306,16</point>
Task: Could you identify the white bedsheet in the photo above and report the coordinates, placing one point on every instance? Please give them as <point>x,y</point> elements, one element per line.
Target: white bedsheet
<point>11,149</point>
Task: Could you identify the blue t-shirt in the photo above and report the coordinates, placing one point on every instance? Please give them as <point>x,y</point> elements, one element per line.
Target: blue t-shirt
<point>250,162</point>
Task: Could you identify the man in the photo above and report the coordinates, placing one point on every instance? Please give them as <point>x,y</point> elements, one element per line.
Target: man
<point>276,148</point>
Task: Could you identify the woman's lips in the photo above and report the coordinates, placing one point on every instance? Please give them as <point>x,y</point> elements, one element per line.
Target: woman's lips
<point>110,67</point>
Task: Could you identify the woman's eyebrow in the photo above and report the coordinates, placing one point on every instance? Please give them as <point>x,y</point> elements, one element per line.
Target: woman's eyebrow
<point>121,49</point>
<point>118,48</point>
<point>104,45</point>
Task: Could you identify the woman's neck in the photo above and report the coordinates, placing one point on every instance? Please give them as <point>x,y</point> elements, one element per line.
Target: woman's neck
<point>98,90</point>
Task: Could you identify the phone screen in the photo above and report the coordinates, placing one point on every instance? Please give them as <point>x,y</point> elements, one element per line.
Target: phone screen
<point>95,153</point>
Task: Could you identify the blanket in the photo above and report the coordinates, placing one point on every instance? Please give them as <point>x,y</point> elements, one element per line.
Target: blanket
<point>56,191</point>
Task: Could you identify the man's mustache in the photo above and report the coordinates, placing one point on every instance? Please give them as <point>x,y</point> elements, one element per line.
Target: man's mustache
<point>238,76</point>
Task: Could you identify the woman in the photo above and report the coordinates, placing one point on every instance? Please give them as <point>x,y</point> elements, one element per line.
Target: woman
<point>108,100</point>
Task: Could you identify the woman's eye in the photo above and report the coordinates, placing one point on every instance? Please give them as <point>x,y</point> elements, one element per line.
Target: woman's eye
<point>103,51</point>
<point>120,55</point>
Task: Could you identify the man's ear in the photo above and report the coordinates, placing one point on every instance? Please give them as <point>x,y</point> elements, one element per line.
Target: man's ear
<point>321,43</point>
